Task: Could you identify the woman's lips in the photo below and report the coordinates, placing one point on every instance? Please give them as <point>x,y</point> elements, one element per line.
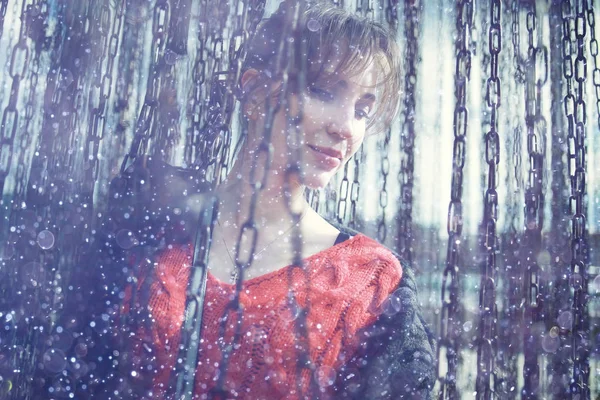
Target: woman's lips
<point>325,160</point>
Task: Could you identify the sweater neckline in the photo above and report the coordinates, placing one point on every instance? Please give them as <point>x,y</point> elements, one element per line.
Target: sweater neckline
<point>269,275</point>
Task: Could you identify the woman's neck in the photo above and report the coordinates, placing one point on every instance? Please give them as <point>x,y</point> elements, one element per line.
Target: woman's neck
<point>271,208</point>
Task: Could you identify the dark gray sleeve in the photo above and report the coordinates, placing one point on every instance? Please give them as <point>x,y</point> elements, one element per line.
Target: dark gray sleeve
<point>396,359</point>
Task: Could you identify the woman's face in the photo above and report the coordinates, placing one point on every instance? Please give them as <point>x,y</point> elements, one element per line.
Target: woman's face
<point>336,111</point>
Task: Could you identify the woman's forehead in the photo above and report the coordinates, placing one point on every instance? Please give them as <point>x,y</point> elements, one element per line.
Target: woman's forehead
<point>368,75</point>
<point>340,60</point>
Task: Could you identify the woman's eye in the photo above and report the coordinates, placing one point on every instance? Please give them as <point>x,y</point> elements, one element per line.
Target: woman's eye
<point>360,114</point>
<point>321,94</point>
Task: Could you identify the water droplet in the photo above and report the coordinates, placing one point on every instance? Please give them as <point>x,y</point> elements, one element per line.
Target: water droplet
<point>565,320</point>
<point>575,281</point>
<point>66,78</point>
<point>289,315</point>
<point>7,251</point>
<point>313,25</point>
<point>81,349</point>
<point>45,239</point>
<point>325,376</point>
<point>467,326</point>
<point>170,57</point>
<point>392,305</point>
<point>126,239</point>
<point>550,344</point>
<point>54,361</point>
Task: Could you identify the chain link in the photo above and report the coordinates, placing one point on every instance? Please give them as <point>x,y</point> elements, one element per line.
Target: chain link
<point>10,116</point>
<point>535,125</point>
<point>383,194</point>
<point>518,60</point>
<point>591,19</point>
<point>509,327</point>
<point>100,93</point>
<point>450,318</point>
<point>146,117</point>
<point>574,107</point>
<point>355,188</point>
<point>407,138</point>
<point>487,340</point>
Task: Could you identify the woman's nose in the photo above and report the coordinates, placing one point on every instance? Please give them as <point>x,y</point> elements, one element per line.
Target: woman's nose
<point>340,129</point>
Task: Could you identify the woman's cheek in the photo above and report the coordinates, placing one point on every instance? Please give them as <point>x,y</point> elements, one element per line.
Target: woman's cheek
<point>313,109</point>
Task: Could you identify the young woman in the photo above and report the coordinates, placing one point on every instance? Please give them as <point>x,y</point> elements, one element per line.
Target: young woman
<point>365,337</point>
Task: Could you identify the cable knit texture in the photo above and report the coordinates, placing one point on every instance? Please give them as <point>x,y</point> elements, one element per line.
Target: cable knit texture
<point>349,283</point>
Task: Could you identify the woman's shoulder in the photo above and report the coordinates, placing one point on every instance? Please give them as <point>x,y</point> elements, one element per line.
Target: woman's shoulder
<point>361,249</point>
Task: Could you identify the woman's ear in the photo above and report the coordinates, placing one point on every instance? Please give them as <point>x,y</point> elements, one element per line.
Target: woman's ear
<point>247,77</point>
<point>248,86</point>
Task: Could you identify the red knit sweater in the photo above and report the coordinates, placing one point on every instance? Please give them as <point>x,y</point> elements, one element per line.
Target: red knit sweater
<point>348,284</point>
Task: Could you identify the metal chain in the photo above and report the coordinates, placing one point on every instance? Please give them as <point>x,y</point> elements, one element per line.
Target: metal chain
<point>211,146</point>
<point>365,8</point>
<point>37,15</point>
<point>575,111</point>
<point>248,235</point>
<point>535,123</point>
<point>100,93</point>
<point>518,60</point>
<point>407,137</point>
<point>509,324</point>
<point>11,128</point>
<point>559,293</point>
<point>10,116</point>
<point>294,82</point>
<point>450,318</point>
<point>591,19</point>
<point>343,196</point>
<point>167,131</point>
<point>3,8</point>
<point>146,117</point>
<point>195,110</point>
<point>383,194</point>
<point>355,188</point>
<point>487,341</point>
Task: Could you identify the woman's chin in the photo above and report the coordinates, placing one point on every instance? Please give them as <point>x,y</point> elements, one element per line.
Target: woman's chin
<point>316,180</point>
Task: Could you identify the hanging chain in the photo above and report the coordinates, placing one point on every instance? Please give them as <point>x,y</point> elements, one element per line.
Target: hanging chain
<point>450,318</point>
<point>343,196</point>
<point>591,19</point>
<point>10,116</point>
<point>37,18</point>
<point>100,93</point>
<point>383,194</point>
<point>365,8</point>
<point>355,188</point>
<point>536,77</point>
<point>294,82</point>
<point>248,235</point>
<point>509,326</point>
<point>407,137</point>
<point>575,112</point>
<point>146,117</point>
<point>3,8</point>
<point>195,110</point>
<point>518,60</point>
<point>487,342</point>
<point>391,17</point>
<point>211,144</point>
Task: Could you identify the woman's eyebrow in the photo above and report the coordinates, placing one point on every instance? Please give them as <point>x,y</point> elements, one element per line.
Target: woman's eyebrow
<point>344,85</point>
<point>369,96</point>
